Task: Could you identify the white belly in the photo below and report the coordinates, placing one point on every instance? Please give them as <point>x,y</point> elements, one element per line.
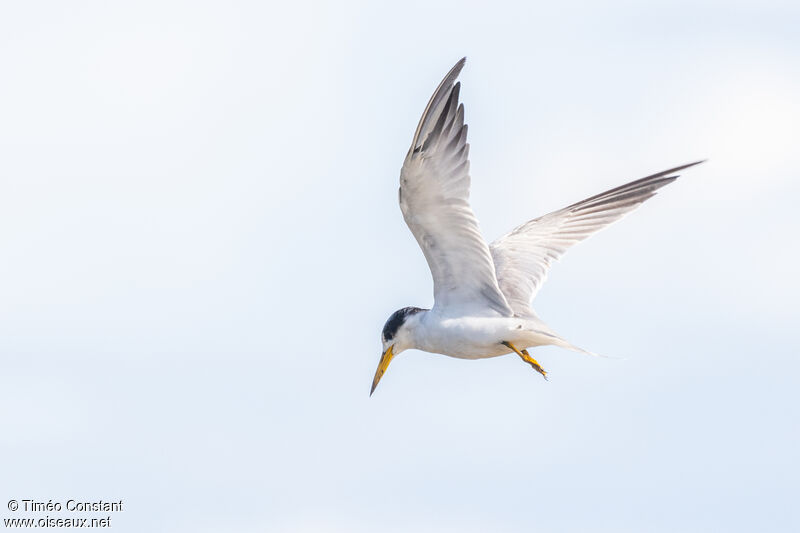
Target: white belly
<point>478,337</point>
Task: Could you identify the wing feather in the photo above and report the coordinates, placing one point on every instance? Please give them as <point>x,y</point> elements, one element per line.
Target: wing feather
<point>434,199</point>
<point>523,257</point>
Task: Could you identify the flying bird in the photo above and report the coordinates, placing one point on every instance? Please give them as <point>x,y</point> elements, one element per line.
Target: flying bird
<point>482,292</point>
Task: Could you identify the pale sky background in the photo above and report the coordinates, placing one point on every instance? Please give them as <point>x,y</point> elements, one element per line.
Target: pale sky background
<point>200,242</point>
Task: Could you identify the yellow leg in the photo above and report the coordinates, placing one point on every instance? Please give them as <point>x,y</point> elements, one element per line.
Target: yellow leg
<point>528,359</point>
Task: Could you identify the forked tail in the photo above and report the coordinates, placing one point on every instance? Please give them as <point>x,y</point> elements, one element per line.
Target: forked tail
<point>558,340</point>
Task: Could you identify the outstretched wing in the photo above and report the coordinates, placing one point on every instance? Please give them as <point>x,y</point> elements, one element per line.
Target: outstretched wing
<point>523,257</point>
<point>434,199</point>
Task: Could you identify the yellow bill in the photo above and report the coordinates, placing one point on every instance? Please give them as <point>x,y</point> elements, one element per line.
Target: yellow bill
<point>386,358</point>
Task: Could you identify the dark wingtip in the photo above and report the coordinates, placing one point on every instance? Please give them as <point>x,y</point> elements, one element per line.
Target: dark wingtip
<point>440,92</point>
<point>668,173</point>
<point>456,70</point>
<point>676,169</point>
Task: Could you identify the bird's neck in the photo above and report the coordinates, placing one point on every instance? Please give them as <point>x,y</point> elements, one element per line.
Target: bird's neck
<point>414,330</point>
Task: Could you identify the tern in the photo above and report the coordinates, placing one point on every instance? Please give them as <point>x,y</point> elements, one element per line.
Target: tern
<point>482,292</point>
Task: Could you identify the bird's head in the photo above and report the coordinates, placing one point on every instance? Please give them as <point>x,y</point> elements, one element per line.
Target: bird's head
<point>396,337</point>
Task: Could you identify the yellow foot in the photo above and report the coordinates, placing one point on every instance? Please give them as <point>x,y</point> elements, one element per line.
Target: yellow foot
<point>528,359</point>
